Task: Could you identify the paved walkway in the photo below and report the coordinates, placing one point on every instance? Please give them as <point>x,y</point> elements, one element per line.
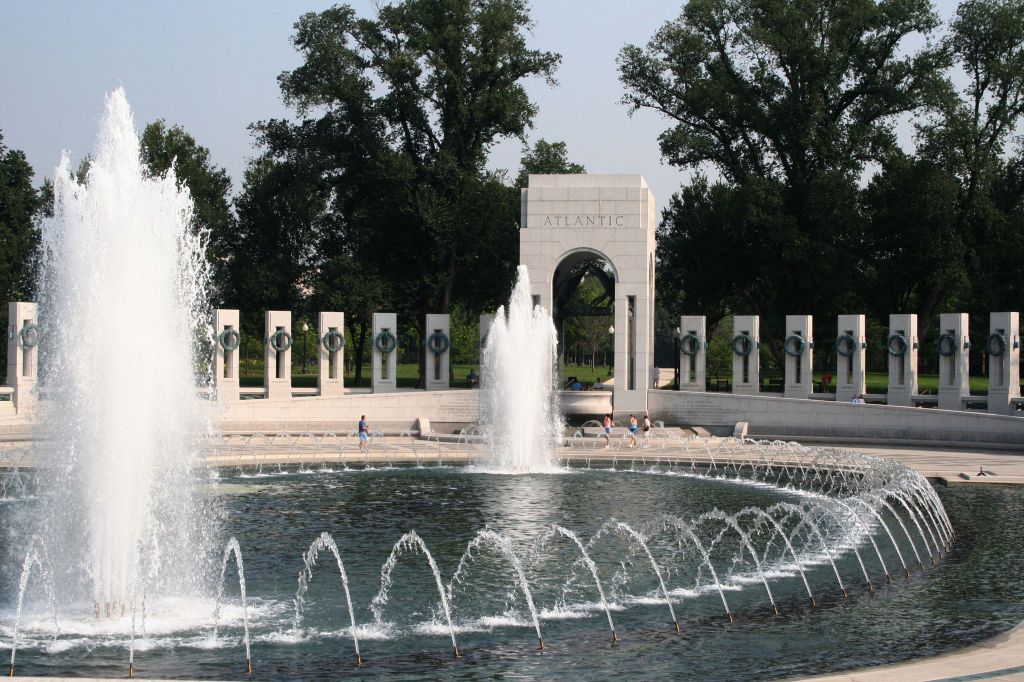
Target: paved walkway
<point>1000,658</point>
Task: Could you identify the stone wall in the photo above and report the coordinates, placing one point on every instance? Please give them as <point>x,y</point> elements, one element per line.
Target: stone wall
<point>391,411</point>
<point>791,419</point>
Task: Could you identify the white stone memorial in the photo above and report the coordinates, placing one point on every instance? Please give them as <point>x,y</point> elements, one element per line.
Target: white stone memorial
<point>438,343</point>
<point>954,360</point>
<point>23,336</point>
<point>851,377</point>
<point>277,356</point>
<point>693,352</point>
<point>330,379</point>
<point>569,218</point>
<point>385,352</point>
<point>798,351</point>
<point>1003,349</point>
<point>227,348</point>
<point>746,355</point>
<point>901,347</point>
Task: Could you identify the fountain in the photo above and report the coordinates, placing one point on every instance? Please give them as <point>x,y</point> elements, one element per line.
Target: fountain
<point>121,525</point>
<point>122,273</point>
<point>518,403</point>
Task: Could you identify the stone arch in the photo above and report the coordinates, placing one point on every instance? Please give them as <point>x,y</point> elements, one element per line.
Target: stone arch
<point>567,218</point>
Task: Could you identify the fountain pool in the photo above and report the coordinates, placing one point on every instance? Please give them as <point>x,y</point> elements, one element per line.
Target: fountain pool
<point>969,594</point>
<point>721,559</point>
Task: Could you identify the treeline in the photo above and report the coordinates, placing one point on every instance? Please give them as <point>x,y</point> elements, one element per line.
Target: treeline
<point>377,195</point>
<point>804,200</point>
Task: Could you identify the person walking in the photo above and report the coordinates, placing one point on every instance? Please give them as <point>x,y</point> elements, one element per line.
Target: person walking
<point>607,424</point>
<point>364,435</point>
<point>647,431</point>
<point>632,431</point>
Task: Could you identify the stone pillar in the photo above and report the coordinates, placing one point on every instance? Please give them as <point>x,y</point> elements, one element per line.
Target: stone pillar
<point>851,343</point>
<point>226,349</point>
<point>438,354</point>
<point>330,378</point>
<point>901,348</point>
<point>693,352</point>
<point>385,365</point>
<point>23,336</point>
<point>954,360</point>
<point>277,355</point>
<point>746,355</point>
<point>633,360</point>
<point>798,351</point>
<point>1003,348</point>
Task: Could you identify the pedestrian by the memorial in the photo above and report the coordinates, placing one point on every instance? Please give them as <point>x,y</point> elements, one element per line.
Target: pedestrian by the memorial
<point>655,376</point>
<point>647,431</point>
<point>607,431</point>
<point>633,426</point>
<point>364,435</point>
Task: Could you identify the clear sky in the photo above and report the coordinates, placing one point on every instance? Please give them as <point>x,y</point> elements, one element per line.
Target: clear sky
<point>211,66</point>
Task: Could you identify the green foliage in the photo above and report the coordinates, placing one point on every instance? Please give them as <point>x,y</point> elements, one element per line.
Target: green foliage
<point>21,205</point>
<point>546,158</point>
<point>587,334</point>
<point>164,147</point>
<point>385,180</point>
<point>782,88</point>
<point>788,101</point>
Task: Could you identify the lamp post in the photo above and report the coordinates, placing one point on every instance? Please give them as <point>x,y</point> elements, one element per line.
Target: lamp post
<point>676,337</point>
<point>611,332</point>
<point>305,328</point>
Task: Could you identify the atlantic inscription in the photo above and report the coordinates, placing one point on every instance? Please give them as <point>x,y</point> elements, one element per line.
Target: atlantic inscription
<point>584,221</point>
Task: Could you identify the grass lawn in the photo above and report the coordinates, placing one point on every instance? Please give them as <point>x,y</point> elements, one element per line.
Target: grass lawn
<point>408,377</point>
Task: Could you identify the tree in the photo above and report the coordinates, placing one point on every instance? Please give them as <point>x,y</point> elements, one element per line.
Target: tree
<point>787,100</point>
<point>20,204</point>
<point>20,207</point>
<point>970,135</point>
<point>265,261</point>
<point>409,105</point>
<point>210,187</point>
<point>547,158</point>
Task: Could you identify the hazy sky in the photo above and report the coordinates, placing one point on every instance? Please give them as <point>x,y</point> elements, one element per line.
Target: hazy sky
<point>211,66</point>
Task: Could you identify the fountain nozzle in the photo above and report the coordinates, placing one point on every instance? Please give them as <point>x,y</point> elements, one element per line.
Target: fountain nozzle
<point>11,673</point>
<point>455,652</point>
<point>131,669</point>
<point>729,613</point>
<point>248,666</point>
<point>776,609</point>
<point>542,647</point>
<point>615,637</point>
<point>871,588</point>
<point>813,603</point>
<point>676,623</point>
<point>359,661</point>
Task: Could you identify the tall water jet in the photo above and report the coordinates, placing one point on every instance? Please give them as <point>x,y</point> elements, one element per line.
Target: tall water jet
<point>518,403</point>
<point>123,303</point>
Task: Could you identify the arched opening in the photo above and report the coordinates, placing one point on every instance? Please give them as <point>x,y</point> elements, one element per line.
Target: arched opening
<point>583,309</point>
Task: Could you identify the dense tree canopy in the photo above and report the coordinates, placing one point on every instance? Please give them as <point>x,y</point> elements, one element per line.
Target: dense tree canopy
<point>400,112</point>
<point>804,202</point>
<point>210,187</point>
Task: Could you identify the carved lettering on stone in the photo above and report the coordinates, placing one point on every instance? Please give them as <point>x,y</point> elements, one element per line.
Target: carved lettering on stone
<point>585,221</point>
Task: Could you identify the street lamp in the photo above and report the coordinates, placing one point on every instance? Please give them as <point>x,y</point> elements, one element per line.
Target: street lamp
<point>305,328</point>
<point>611,332</point>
